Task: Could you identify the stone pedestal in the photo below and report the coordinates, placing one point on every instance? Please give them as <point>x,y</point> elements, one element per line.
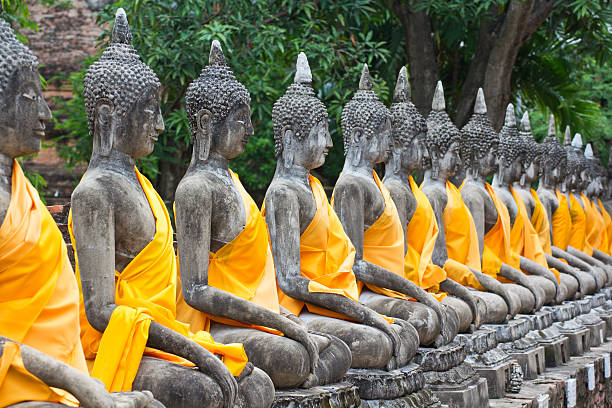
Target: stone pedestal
<point>556,345</point>
<point>577,335</point>
<point>341,395</point>
<point>596,326</point>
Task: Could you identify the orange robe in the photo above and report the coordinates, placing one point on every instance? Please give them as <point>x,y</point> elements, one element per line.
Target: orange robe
<point>145,291</point>
<point>421,235</point>
<point>578,231</point>
<point>326,257</point>
<point>540,222</point>
<point>243,267</point>
<point>606,242</point>
<point>497,242</point>
<point>561,223</point>
<point>38,296</point>
<point>461,240</point>
<point>594,223</point>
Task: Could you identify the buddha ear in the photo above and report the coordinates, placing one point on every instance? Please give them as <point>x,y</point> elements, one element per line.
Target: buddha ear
<point>396,156</point>
<point>105,126</point>
<point>356,143</point>
<point>288,146</point>
<point>204,123</point>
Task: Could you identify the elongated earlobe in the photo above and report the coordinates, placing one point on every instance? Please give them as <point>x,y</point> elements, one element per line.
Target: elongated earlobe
<point>357,147</point>
<point>397,161</point>
<point>104,127</point>
<point>204,119</point>
<point>287,154</point>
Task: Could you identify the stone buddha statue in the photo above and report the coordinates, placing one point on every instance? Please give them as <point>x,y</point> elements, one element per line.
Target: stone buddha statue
<point>313,256</point>
<point>226,267</point>
<point>479,150</point>
<point>512,154</point>
<point>38,290</point>
<point>595,192</point>
<point>370,219</point>
<point>125,259</point>
<point>553,167</point>
<point>456,247</point>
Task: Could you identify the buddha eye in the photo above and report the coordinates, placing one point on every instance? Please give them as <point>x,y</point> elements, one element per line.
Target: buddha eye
<point>30,95</point>
<point>149,112</point>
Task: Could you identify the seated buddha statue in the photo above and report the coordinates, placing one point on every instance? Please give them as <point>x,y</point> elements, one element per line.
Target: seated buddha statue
<point>41,357</point>
<point>479,151</point>
<point>594,193</point>
<point>226,267</point>
<point>553,165</point>
<point>523,238</point>
<point>427,260</point>
<point>313,256</point>
<point>125,259</point>
<point>370,218</point>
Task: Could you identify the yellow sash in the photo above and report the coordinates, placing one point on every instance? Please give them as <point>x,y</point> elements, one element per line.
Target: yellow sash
<point>326,257</point>
<point>497,242</point>
<point>539,220</point>
<point>578,232</point>
<point>561,223</point>
<point>144,291</point>
<point>383,242</point>
<point>594,223</point>
<point>606,234</point>
<point>421,235</point>
<point>243,267</point>
<point>38,294</point>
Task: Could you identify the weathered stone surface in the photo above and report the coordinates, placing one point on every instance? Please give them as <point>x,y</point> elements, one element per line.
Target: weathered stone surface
<point>341,395</point>
<point>442,358</point>
<point>422,399</point>
<point>378,384</point>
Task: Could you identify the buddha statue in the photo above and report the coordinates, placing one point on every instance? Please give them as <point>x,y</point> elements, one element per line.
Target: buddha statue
<point>456,247</point>
<point>479,151</point>
<point>125,259</point>
<point>553,166</point>
<point>313,256</point>
<point>226,267</point>
<point>370,219</point>
<point>40,347</point>
<point>595,192</point>
<point>535,211</point>
<point>523,239</point>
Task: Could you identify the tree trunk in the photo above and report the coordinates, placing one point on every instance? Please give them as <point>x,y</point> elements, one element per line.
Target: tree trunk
<point>422,63</point>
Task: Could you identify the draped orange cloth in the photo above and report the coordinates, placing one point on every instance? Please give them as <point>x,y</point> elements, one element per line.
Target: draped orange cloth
<point>594,223</point>
<point>145,291</point>
<point>326,257</point>
<point>461,240</point>
<point>497,242</point>
<point>243,267</point>
<point>421,235</point>
<point>561,223</point>
<point>578,232</point>
<point>539,220</point>
<point>606,241</point>
<point>38,295</point>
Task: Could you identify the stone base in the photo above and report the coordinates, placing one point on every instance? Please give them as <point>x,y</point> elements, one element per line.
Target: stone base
<point>341,395</point>
<point>532,361</point>
<point>557,352</point>
<point>598,329</point>
<point>561,313</point>
<point>497,377</point>
<point>420,399</point>
<point>386,385</point>
<point>442,358</point>
<point>578,337</point>
<point>472,395</point>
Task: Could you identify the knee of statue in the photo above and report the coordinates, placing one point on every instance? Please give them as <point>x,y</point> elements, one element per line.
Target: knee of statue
<point>464,313</point>
<point>570,285</point>
<point>494,308</point>
<point>522,296</point>
<point>547,287</point>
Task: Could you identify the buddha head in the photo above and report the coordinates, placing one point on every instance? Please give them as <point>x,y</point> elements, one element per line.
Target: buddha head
<point>366,125</point>
<point>595,186</point>
<point>577,174</point>
<point>301,133</point>
<point>23,110</point>
<point>511,150</point>
<point>122,98</point>
<point>479,142</point>
<point>218,109</point>
<point>443,138</point>
<point>534,152</point>
<point>553,161</point>
<point>408,129</point>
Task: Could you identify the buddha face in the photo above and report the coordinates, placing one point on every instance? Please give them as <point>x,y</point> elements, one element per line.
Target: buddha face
<point>510,172</point>
<point>532,170</point>
<point>450,161</point>
<point>489,162</point>
<point>595,187</point>
<point>311,151</point>
<point>376,149</point>
<point>23,114</point>
<point>415,155</point>
<point>231,136</point>
<point>139,130</point>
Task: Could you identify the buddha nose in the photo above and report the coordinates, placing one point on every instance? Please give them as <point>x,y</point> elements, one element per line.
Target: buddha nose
<point>159,125</point>
<point>44,113</point>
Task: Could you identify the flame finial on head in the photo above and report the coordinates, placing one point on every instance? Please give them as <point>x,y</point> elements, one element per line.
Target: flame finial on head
<point>480,105</point>
<point>510,119</point>
<point>303,75</point>
<point>121,29</point>
<point>588,152</point>
<point>577,141</point>
<point>525,123</point>
<point>567,138</point>
<point>551,126</point>
<point>402,87</point>
<point>365,83</point>
<point>438,103</point>
<point>216,56</point>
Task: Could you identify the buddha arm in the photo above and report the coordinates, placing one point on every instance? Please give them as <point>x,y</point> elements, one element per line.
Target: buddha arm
<point>576,262</point>
<point>536,269</point>
<point>193,221</point>
<point>94,234</point>
<point>594,263</point>
<point>352,218</point>
<point>520,278</point>
<point>562,267</point>
<point>89,391</point>
<point>450,286</point>
<point>494,286</point>
<point>282,217</point>
<point>602,256</point>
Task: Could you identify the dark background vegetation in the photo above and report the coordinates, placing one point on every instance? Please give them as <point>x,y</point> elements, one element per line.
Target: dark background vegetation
<point>545,56</point>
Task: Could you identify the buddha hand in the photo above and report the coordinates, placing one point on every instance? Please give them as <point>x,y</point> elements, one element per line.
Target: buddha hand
<point>300,334</point>
<point>135,399</point>
<point>212,366</point>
